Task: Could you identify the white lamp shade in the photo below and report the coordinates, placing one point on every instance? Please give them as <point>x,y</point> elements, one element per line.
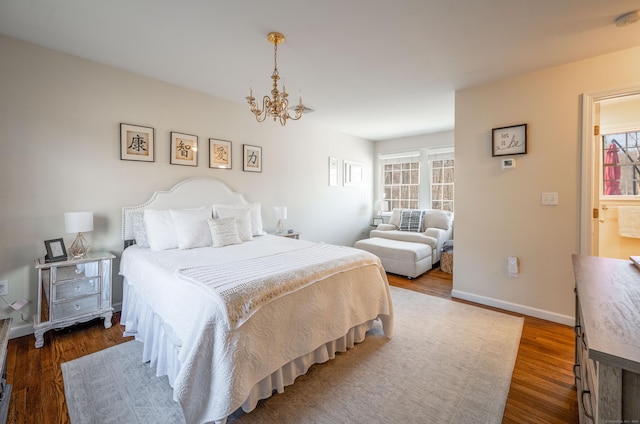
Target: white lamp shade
<point>280,211</point>
<point>78,222</point>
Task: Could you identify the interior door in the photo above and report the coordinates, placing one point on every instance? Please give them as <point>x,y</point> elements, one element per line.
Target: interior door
<point>590,204</point>
<point>617,176</point>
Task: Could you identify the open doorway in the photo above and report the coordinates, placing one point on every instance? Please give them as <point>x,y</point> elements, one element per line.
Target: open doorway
<point>610,205</point>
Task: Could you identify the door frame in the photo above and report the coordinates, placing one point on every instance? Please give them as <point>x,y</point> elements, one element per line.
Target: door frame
<point>588,168</point>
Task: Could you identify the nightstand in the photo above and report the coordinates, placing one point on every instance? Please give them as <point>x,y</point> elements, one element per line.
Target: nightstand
<point>294,235</point>
<point>73,291</point>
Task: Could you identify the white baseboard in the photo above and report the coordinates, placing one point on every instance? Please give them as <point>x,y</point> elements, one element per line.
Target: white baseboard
<point>25,329</point>
<point>514,307</point>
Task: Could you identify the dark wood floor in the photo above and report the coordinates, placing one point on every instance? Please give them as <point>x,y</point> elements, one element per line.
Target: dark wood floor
<point>542,389</point>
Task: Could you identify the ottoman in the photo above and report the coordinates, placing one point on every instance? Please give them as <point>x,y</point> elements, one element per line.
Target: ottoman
<point>399,257</point>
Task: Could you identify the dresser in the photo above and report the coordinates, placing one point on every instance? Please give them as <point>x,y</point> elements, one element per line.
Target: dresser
<point>607,368</point>
<point>5,389</point>
<point>72,291</point>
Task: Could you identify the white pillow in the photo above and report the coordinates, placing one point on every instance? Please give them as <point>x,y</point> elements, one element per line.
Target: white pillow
<point>243,220</point>
<point>256,215</point>
<point>139,231</point>
<point>223,232</point>
<point>191,227</point>
<point>161,233</point>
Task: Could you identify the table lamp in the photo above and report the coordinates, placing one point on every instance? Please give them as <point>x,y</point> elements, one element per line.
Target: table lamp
<point>281,215</point>
<point>78,222</point>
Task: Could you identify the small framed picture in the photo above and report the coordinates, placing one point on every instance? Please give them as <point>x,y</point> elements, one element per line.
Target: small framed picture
<point>353,173</point>
<point>251,158</point>
<point>137,143</point>
<point>509,140</point>
<point>219,154</point>
<point>184,149</point>
<point>333,171</point>
<point>55,250</point>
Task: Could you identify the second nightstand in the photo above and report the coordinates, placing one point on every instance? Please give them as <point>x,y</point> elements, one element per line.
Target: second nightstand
<point>293,235</point>
<point>72,291</point>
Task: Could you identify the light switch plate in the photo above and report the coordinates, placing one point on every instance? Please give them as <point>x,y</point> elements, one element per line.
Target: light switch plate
<point>549,199</point>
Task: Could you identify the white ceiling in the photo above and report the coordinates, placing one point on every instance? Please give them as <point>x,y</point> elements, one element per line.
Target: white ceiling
<point>372,68</point>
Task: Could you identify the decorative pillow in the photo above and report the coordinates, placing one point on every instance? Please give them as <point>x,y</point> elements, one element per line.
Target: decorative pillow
<point>411,219</point>
<point>256,215</point>
<point>396,214</point>
<point>139,231</point>
<point>243,220</point>
<point>223,231</point>
<point>438,219</point>
<point>161,233</point>
<point>191,227</point>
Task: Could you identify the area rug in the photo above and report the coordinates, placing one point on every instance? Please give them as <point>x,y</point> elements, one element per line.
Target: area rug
<point>448,362</point>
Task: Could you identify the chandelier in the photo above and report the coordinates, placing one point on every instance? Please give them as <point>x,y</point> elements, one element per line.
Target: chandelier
<point>276,106</point>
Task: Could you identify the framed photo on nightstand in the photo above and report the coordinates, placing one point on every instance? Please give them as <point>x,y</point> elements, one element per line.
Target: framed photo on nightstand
<point>55,250</point>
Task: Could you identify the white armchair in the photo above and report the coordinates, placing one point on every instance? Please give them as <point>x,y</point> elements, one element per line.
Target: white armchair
<point>437,227</point>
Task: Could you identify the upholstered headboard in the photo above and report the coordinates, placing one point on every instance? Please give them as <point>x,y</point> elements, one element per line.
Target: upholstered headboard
<point>190,193</point>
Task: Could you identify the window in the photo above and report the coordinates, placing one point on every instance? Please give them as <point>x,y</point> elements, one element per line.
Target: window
<point>620,164</point>
<point>442,184</point>
<point>401,180</point>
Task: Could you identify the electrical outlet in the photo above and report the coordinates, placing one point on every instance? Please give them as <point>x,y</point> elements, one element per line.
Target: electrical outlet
<point>512,266</point>
<point>4,287</point>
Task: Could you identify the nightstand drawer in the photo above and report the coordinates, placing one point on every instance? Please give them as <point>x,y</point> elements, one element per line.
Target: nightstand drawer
<point>75,307</point>
<point>75,289</point>
<point>77,272</point>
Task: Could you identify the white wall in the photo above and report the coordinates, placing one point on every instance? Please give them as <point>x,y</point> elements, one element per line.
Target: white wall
<point>59,133</point>
<point>498,213</point>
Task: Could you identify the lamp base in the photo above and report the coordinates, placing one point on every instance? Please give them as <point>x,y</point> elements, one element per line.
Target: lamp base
<point>79,247</point>
<point>280,227</point>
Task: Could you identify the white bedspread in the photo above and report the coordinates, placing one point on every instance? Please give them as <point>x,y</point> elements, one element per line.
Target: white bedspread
<point>219,368</point>
<point>267,278</point>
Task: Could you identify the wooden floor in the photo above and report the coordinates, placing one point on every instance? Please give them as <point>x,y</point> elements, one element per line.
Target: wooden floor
<point>542,389</point>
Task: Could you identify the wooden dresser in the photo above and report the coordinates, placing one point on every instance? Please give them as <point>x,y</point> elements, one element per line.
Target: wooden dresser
<point>607,368</point>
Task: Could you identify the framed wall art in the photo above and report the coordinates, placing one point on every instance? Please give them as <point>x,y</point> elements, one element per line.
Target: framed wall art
<point>184,149</point>
<point>509,140</point>
<point>55,250</point>
<point>251,158</point>
<point>334,171</point>
<point>353,173</point>
<point>137,143</point>
<point>219,154</point>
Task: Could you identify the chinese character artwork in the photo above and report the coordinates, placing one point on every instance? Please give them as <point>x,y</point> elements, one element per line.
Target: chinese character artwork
<point>136,143</point>
<point>252,160</point>
<point>184,149</point>
<point>219,154</point>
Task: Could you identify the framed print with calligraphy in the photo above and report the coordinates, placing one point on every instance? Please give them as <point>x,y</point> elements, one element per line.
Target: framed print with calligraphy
<point>219,154</point>
<point>251,158</point>
<point>184,149</point>
<point>137,143</point>
<point>509,140</point>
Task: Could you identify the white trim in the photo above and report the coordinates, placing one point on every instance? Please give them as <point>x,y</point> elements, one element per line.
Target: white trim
<point>514,307</point>
<point>397,155</point>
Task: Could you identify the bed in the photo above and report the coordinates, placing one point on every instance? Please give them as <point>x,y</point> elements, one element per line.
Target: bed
<point>231,325</point>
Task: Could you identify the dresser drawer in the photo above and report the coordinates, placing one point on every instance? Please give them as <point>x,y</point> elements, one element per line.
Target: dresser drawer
<point>75,307</point>
<point>77,272</point>
<point>75,289</point>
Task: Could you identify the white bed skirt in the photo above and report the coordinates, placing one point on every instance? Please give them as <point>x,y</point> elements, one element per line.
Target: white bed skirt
<point>161,349</point>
